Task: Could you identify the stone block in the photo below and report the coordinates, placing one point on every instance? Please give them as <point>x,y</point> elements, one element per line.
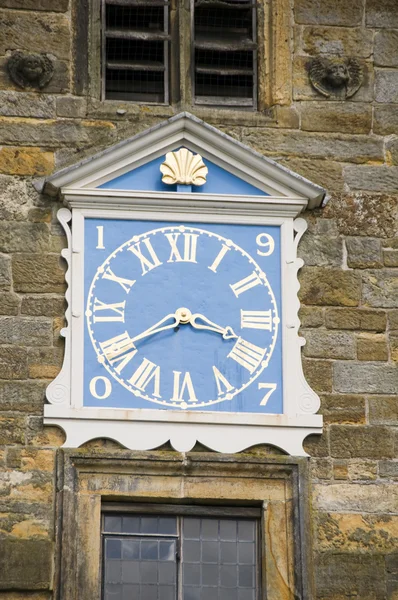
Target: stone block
<point>393,339</point>
<point>380,288</point>
<point>331,146</point>
<point>391,147</point>
<point>357,441</point>
<point>26,564</point>
<point>38,273</point>
<point>24,237</point>
<point>22,396</point>
<point>390,258</point>
<point>13,458</point>
<point>321,251</point>
<point>386,48</point>
<point>311,316</point>
<point>356,497</point>
<point>317,446</point>
<point>5,272</point>
<point>12,431</point>
<point>388,469</point>
<point>393,319</point>
<point>318,373</point>
<point>35,32</point>
<point>22,104</point>
<point>358,534</point>
<point>372,179</point>
<point>359,319</point>
<point>372,347</point>
<point>350,117</point>
<point>13,363</point>
<point>386,85</point>
<point>16,197</point>
<point>327,173</point>
<point>343,409</point>
<point>363,253</point>
<point>339,576</point>
<point>329,286</point>
<point>383,410</point>
<point>381,13</point>
<point>26,161</point>
<point>328,344</point>
<point>43,306</point>
<point>329,12</point>
<point>361,214</point>
<point>365,378</point>
<point>362,470</point>
<point>385,120</point>
<point>44,363</point>
<point>321,468</point>
<point>340,470</point>
<point>48,5</point>
<point>25,331</point>
<point>9,303</point>
<point>71,107</point>
<point>59,84</point>
<point>338,41</point>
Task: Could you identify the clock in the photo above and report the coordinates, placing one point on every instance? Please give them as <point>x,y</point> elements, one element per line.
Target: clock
<point>182,316</point>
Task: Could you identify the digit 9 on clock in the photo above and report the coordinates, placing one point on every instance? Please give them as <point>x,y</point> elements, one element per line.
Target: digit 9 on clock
<point>182,316</point>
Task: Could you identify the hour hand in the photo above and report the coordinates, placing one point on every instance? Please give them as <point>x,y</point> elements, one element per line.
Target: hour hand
<point>159,326</point>
<point>199,321</point>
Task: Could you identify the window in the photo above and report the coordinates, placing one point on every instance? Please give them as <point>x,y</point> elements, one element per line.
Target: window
<point>195,554</point>
<point>145,43</point>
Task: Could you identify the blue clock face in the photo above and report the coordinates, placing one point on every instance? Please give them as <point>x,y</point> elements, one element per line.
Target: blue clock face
<point>182,316</point>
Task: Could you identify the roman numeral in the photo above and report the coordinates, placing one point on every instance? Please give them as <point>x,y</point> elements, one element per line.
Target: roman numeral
<point>185,387</point>
<point>144,375</point>
<point>219,257</point>
<point>246,354</point>
<point>147,264</point>
<point>115,311</point>
<point>245,284</point>
<point>119,349</point>
<point>126,284</point>
<point>189,247</point>
<point>256,319</point>
<point>221,381</point>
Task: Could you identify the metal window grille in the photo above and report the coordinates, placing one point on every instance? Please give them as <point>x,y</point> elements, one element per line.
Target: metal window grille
<point>200,553</point>
<point>135,50</point>
<point>224,41</point>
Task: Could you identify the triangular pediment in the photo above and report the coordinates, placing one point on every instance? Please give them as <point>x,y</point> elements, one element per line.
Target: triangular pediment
<point>134,165</point>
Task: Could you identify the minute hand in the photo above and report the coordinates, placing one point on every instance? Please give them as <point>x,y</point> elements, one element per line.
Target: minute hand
<point>226,332</point>
<point>159,326</point>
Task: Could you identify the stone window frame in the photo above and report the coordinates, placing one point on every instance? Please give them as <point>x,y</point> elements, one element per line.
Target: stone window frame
<point>274,72</point>
<point>279,485</point>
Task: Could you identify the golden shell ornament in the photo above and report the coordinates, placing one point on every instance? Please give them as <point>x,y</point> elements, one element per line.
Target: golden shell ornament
<point>183,167</point>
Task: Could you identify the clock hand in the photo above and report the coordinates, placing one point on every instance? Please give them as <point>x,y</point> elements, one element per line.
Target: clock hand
<point>158,326</point>
<point>227,332</point>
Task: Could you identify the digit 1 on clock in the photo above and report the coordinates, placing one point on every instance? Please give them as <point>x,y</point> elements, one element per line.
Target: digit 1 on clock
<point>100,237</point>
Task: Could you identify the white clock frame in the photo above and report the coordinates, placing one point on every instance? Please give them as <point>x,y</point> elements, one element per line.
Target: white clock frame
<point>143,429</point>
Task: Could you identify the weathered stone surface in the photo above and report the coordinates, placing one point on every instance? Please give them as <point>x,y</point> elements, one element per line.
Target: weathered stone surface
<point>16,197</point>
<point>385,120</point>
<point>365,378</point>
<point>55,133</point>
<point>360,319</point>
<point>381,13</point>
<point>361,214</point>
<point>372,179</point>
<point>37,273</point>
<point>386,48</point>
<point>71,107</point>
<point>340,469</point>
<point>12,431</point>
<point>348,409</point>
<point>35,32</point>
<point>5,272</point>
<point>49,5</point>
<point>352,117</point>
<point>329,286</point>
<point>318,373</point>
<point>329,12</point>
<point>44,363</point>
<point>317,445</point>
<point>26,161</point>
<point>327,173</point>
<point>372,498</point>
<point>26,564</point>
<point>372,534</point>
<point>380,288</point>
<point>320,226</point>
<point>340,41</point>
<point>321,468</point>
<point>341,575</point>
<point>391,146</point>
<point>347,441</point>
<point>329,344</point>
<point>24,237</point>
<point>389,469</point>
<point>393,319</point>
<point>311,316</point>
<point>321,250</point>
<point>362,470</point>
<point>350,148</point>
<point>383,410</point>
<point>9,303</point>
<point>371,347</point>
<point>363,253</point>
<point>22,104</point>
<point>13,363</point>
<point>390,258</point>
<point>43,306</point>
<point>393,338</point>
<point>386,83</point>
<point>25,331</point>
<point>27,396</point>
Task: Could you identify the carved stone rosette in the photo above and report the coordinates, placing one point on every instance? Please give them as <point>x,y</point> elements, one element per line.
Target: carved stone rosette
<point>337,78</point>
<point>30,70</point>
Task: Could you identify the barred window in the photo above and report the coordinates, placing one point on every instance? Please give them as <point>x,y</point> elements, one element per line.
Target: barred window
<point>141,47</point>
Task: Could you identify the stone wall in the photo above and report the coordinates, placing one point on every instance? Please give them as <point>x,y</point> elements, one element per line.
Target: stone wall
<point>349,286</point>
